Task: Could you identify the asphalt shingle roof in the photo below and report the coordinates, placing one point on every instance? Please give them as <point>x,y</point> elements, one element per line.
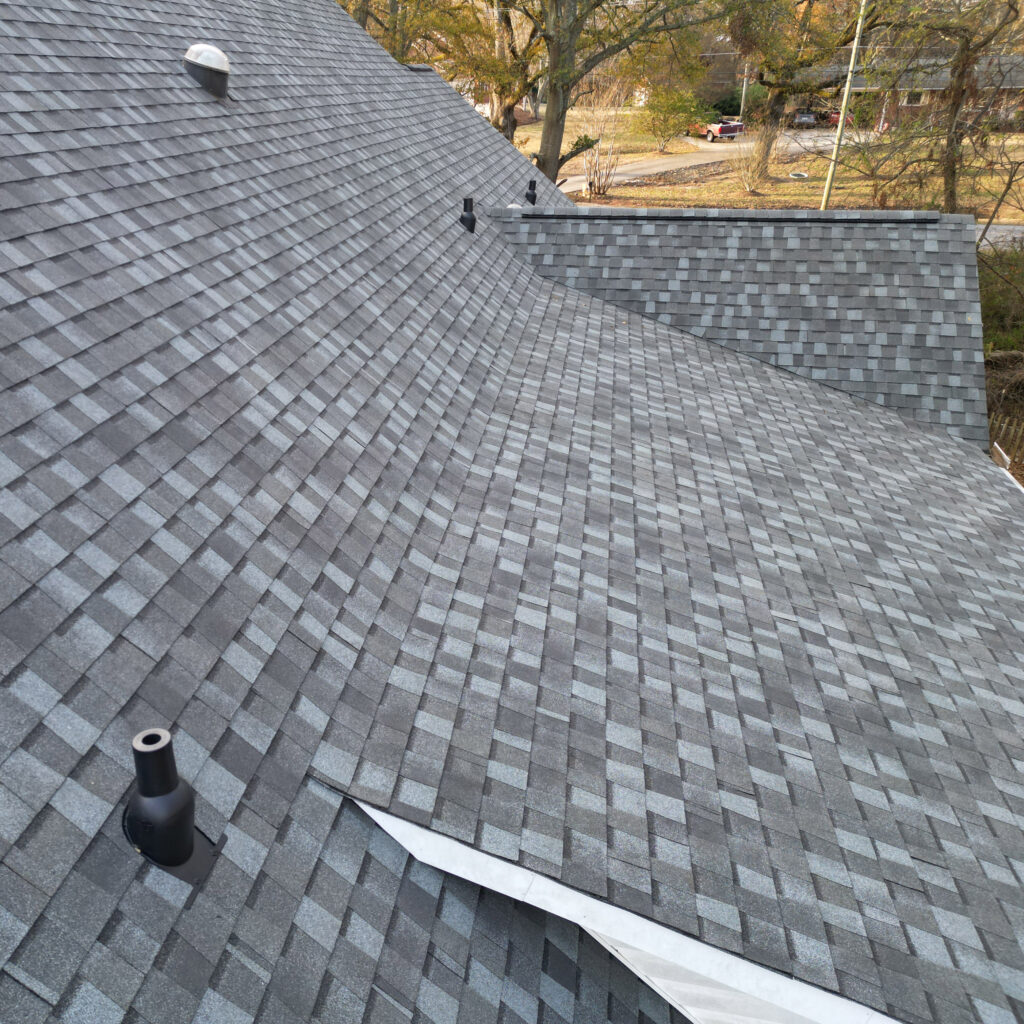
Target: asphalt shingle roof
<point>881,305</point>
<point>340,924</point>
<point>293,464</point>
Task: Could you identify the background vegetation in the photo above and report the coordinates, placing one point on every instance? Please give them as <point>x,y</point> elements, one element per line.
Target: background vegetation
<point>1001,276</point>
<point>581,85</point>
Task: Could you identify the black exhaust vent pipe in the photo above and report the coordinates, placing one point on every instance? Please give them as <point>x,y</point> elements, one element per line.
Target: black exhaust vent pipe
<point>531,193</point>
<point>160,818</point>
<point>468,218</point>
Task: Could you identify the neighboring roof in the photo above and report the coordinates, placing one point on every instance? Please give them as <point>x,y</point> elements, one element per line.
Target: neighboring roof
<point>996,71</point>
<point>881,305</point>
<point>292,463</point>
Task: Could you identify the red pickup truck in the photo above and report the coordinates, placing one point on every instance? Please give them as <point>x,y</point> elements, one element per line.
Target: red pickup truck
<point>723,128</point>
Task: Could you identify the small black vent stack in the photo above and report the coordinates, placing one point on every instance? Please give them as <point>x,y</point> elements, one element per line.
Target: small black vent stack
<point>159,820</point>
<point>531,192</point>
<point>162,808</point>
<point>468,218</point>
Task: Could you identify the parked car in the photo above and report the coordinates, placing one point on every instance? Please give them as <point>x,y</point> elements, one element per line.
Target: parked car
<point>804,119</point>
<point>833,119</point>
<point>724,128</point>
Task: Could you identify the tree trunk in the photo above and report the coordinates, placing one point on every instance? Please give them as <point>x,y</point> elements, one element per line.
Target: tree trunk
<point>554,126</point>
<point>950,165</point>
<point>361,13</point>
<point>503,115</point>
<point>499,113</point>
<point>950,161</point>
<point>391,29</point>
<point>764,145</point>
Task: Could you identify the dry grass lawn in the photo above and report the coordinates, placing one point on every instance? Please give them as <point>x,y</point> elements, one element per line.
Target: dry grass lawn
<point>720,187</point>
<point>633,142</point>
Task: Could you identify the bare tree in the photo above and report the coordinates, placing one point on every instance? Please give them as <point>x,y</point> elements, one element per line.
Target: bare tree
<point>960,43</point>
<point>1005,188</point>
<point>601,105</point>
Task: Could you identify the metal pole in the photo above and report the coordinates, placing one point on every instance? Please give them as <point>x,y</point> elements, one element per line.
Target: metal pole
<point>743,94</point>
<point>841,127</point>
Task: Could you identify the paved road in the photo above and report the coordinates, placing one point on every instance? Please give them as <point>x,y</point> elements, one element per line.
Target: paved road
<point>1003,233</point>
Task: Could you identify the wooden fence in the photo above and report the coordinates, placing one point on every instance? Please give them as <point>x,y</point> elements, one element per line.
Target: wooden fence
<point>1006,435</point>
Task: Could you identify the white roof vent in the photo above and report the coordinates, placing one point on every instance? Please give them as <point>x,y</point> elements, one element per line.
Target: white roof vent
<point>209,67</point>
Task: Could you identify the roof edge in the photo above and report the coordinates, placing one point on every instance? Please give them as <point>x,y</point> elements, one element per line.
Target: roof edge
<point>1013,479</point>
<point>706,984</point>
<point>694,213</point>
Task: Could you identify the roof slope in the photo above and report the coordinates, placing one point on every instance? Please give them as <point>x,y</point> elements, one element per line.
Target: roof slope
<point>293,463</point>
<point>881,305</point>
<point>341,922</point>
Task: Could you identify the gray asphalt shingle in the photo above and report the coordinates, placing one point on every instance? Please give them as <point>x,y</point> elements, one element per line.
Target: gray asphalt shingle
<point>295,466</point>
<point>881,305</point>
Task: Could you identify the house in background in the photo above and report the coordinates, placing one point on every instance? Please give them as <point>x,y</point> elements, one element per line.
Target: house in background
<point>998,81</point>
<point>586,617</point>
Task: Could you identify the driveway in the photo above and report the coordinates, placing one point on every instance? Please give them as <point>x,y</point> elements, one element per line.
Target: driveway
<point>1002,233</point>
<point>707,153</point>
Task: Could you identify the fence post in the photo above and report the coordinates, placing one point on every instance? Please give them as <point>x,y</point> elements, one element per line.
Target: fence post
<point>1009,435</point>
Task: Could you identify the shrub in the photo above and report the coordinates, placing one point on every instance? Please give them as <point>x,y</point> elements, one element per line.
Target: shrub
<point>668,113</point>
<point>729,104</point>
<point>754,159</point>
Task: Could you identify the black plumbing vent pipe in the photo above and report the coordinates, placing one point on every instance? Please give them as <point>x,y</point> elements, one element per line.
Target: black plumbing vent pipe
<point>159,817</point>
<point>531,192</point>
<point>468,218</point>
<point>160,820</point>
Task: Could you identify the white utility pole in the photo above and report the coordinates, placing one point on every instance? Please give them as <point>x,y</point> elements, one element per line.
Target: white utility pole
<point>841,127</point>
<point>743,94</point>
